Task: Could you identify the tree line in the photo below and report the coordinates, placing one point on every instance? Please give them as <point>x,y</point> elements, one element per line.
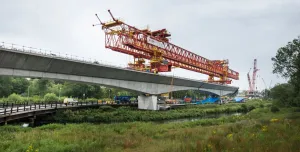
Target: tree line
<point>286,63</point>
<point>44,89</point>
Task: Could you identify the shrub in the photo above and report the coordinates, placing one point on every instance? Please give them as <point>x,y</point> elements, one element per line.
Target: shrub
<point>15,98</point>
<point>91,100</point>
<point>251,107</point>
<point>61,99</point>
<point>36,99</point>
<point>2,100</point>
<point>261,106</point>
<point>296,110</point>
<point>8,128</point>
<point>51,127</point>
<point>50,97</point>
<point>107,108</point>
<point>26,99</point>
<point>274,109</point>
<point>244,108</point>
<point>133,99</point>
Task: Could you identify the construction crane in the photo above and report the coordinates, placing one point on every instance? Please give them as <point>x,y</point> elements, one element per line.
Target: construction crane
<point>155,46</point>
<point>252,83</point>
<point>249,81</point>
<point>254,74</point>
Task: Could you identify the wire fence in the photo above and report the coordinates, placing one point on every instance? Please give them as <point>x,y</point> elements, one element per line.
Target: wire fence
<point>65,56</point>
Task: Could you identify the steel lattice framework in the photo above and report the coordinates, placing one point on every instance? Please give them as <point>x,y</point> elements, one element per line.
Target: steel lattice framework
<point>155,47</point>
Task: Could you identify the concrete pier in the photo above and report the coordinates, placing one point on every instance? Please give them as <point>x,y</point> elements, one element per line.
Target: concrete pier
<point>147,102</point>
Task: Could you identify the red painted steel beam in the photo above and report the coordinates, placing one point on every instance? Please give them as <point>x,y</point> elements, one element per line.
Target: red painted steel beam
<point>127,39</point>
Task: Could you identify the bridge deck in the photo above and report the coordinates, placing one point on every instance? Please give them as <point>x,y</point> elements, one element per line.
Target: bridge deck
<point>14,112</point>
<point>12,58</point>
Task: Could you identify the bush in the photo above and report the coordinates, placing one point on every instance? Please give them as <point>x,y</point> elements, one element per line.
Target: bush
<point>251,107</point>
<point>107,108</point>
<point>50,97</point>
<point>274,109</point>
<point>244,108</point>
<point>2,100</point>
<point>261,106</point>
<point>15,98</point>
<point>296,110</point>
<point>36,99</point>
<point>51,127</point>
<point>133,99</point>
<point>61,99</point>
<point>91,100</point>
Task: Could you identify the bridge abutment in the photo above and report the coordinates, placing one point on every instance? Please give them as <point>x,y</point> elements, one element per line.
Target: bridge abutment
<point>147,102</point>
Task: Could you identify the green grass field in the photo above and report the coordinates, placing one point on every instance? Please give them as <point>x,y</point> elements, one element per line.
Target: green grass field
<point>259,130</point>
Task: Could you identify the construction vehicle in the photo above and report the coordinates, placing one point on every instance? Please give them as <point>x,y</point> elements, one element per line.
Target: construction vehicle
<point>155,47</point>
<point>124,99</point>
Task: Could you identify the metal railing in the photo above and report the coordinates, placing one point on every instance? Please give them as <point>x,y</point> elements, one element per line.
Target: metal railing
<point>11,108</point>
<point>52,54</point>
<point>43,52</point>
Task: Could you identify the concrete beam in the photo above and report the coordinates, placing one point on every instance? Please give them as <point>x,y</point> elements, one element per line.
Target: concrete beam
<point>143,87</point>
<point>29,61</point>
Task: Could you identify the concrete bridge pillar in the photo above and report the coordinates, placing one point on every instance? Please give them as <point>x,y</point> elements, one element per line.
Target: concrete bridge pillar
<point>147,102</point>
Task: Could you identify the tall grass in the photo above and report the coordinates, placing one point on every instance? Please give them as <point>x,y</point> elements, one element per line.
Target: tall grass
<point>127,114</point>
<point>259,130</point>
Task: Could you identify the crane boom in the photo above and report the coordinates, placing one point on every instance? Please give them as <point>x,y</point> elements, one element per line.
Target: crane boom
<point>155,46</point>
<point>249,81</point>
<point>254,74</point>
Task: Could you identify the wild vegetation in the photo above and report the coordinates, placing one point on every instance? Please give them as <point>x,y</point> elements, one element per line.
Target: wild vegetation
<point>259,130</point>
<point>127,114</point>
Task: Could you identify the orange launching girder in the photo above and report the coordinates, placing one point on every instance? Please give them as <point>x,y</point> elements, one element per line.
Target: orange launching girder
<point>127,39</point>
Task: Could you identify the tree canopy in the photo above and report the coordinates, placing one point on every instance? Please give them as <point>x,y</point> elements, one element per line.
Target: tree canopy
<point>52,89</point>
<point>287,64</point>
<point>287,60</point>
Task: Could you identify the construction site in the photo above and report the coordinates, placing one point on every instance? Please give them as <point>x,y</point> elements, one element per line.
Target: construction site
<point>153,52</point>
<point>207,76</point>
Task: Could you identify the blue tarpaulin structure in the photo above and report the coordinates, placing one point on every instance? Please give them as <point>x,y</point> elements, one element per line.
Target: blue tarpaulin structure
<point>209,100</point>
<point>239,99</point>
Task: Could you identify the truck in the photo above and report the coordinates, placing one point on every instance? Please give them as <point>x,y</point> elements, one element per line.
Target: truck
<point>123,99</point>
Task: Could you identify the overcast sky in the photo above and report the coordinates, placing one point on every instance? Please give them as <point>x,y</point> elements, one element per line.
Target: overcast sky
<point>238,30</point>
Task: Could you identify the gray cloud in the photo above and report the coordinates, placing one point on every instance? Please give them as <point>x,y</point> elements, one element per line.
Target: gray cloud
<point>238,30</point>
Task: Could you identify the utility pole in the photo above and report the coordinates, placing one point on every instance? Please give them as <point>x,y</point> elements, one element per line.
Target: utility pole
<point>109,92</point>
<point>28,94</point>
<point>59,94</point>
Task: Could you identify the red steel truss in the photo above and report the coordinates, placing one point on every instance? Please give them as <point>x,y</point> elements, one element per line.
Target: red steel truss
<point>127,39</point>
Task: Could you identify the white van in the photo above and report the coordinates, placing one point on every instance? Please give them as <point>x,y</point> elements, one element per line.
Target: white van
<point>69,100</point>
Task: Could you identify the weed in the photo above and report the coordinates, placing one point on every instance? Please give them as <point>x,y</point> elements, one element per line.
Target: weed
<point>274,109</point>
